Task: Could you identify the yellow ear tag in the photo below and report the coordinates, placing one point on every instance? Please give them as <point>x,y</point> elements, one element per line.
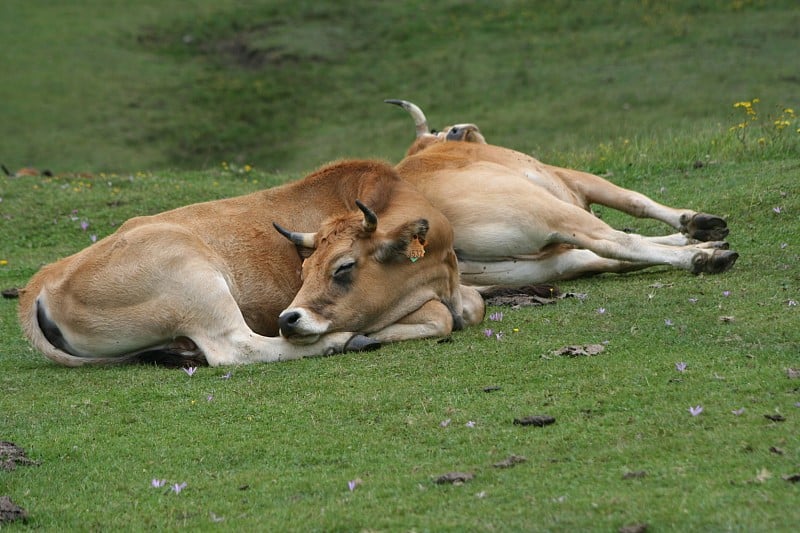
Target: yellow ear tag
<point>416,249</point>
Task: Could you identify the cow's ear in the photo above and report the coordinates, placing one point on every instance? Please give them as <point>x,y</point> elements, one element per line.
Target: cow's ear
<point>404,243</point>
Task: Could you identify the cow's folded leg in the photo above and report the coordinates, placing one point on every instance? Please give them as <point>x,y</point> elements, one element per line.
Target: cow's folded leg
<point>248,347</point>
<point>433,319</point>
<point>219,330</point>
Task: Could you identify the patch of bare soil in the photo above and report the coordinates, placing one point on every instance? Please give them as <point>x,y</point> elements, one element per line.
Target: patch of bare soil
<point>580,350</point>
<point>11,293</point>
<point>510,461</point>
<point>12,455</point>
<point>526,296</point>
<point>634,528</point>
<point>10,512</point>
<point>535,420</point>
<point>454,478</point>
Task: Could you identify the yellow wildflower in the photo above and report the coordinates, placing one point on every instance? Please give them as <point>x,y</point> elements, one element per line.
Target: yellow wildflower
<point>3,262</point>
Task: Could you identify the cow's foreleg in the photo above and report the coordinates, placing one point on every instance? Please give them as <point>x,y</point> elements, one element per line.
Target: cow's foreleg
<point>433,319</point>
<point>218,328</point>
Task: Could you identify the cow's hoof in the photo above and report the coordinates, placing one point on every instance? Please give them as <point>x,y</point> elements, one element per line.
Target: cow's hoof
<point>719,261</point>
<point>704,227</point>
<point>361,343</point>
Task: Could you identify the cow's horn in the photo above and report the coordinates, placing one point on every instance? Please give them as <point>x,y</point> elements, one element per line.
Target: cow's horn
<point>370,218</point>
<point>416,113</point>
<point>305,240</point>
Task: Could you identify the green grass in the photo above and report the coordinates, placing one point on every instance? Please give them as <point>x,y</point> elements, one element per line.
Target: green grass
<point>94,85</point>
<point>276,445</point>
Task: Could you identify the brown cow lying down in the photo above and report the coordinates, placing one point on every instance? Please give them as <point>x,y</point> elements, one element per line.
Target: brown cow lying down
<point>519,221</point>
<point>214,282</point>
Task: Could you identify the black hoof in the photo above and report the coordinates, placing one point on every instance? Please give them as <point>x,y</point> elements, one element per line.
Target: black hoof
<point>704,227</point>
<point>361,343</point>
<point>721,261</point>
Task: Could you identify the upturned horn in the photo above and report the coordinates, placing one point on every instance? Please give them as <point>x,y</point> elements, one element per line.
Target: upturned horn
<point>416,113</point>
<point>306,240</point>
<point>370,218</point>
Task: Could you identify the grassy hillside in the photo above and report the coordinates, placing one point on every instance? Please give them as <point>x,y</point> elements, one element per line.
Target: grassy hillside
<point>93,85</point>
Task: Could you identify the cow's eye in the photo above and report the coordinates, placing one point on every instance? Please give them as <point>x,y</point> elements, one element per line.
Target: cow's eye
<point>344,271</point>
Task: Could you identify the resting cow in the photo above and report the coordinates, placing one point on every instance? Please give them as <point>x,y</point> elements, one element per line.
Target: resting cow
<point>519,221</point>
<point>208,282</point>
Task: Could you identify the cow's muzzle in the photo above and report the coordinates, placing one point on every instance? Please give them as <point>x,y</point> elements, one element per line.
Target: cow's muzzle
<point>299,326</point>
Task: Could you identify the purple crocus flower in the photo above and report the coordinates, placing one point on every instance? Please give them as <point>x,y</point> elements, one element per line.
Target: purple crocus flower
<point>158,483</point>
<point>178,487</point>
<point>668,322</point>
<point>680,367</point>
<point>190,371</point>
<point>352,485</point>
<point>497,317</point>
<point>738,412</point>
<point>694,411</point>
<point>84,225</point>
<point>488,332</point>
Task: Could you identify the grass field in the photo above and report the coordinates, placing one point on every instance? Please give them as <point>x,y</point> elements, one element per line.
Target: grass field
<point>151,99</point>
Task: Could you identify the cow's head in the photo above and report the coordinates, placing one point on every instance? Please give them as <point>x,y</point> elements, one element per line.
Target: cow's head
<point>364,276</point>
<point>426,137</point>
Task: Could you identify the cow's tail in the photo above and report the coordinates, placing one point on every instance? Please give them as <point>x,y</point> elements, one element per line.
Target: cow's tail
<point>44,334</point>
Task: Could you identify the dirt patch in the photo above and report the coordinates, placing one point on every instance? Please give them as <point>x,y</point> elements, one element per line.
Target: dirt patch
<point>10,512</point>
<point>634,528</point>
<point>535,420</point>
<point>12,456</point>
<point>239,50</point>
<point>510,461</point>
<point>11,293</point>
<point>580,350</point>
<point>526,296</point>
<point>454,478</point>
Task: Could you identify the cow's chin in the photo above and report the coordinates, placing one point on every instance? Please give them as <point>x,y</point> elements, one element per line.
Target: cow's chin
<point>303,340</point>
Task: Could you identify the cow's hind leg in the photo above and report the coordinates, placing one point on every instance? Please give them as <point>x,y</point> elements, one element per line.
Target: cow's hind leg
<point>581,229</point>
<point>567,263</point>
<point>596,190</point>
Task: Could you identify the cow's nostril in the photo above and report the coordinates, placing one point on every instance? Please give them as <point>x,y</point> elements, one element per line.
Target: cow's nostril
<point>288,321</point>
